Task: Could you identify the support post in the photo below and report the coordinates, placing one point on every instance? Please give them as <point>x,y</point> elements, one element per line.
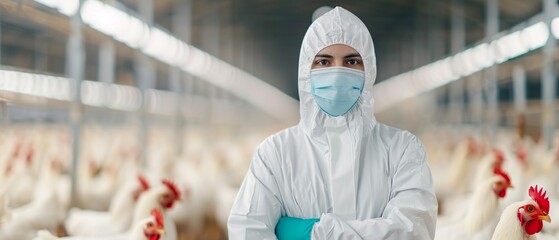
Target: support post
<point>3,112</point>
<point>182,27</point>
<point>144,72</point>
<point>491,88</point>
<point>75,56</point>
<point>457,44</point>
<point>519,85</point>
<point>548,77</point>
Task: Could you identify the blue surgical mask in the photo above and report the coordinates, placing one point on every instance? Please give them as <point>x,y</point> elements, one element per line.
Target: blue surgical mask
<point>336,89</point>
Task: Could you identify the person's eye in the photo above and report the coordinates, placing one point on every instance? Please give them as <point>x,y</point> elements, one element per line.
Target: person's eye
<point>322,62</point>
<point>353,61</point>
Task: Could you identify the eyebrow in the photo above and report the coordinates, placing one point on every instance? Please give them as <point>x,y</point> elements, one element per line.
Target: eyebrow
<point>324,56</point>
<point>330,56</point>
<point>353,55</point>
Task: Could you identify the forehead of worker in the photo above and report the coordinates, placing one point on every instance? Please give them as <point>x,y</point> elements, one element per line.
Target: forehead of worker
<point>338,50</point>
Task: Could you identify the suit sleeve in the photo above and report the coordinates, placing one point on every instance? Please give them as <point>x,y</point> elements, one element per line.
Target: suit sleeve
<point>257,208</point>
<point>410,213</point>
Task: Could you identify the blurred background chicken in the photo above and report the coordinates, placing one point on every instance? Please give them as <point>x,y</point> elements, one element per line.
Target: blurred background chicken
<point>116,220</point>
<point>113,193</point>
<point>150,228</point>
<point>41,213</point>
<point>161,197</point>
<point>514,164</point>
<point>472,219</point>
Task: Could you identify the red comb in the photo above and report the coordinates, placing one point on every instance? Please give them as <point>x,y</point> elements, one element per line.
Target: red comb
<point>539,197</point>
<point>472,145</point>
<point>9,167</point>
<point>158,217</point>
<point>29,156</point>
<point>17,150</point>
<point>499,155</point>
<point>173,187</point>
<point>498,171</point>
<point>521,154</point>
<point>143,182</point>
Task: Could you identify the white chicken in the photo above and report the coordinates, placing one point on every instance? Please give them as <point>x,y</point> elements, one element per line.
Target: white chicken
<point>161,197</point>
<point>225,197</point>
<point>20,178</point>
<point>488,164</point>
<point>117,220</point>
<point>521,220</point>
<point>189,214</point>
<point>482,208</point>
<point>517,167</point>
<point>150,228</point>
<point>41,213</point>
<point>545,182</point>
<point>452,177</point>
<point>97,187</point>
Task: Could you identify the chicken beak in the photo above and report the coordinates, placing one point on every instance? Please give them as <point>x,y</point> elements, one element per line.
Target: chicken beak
<point>510,186</point>
<point>161,231</point>
<point>545,218</point>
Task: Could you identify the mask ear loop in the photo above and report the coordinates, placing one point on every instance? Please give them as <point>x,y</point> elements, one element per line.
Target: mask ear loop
<point>316,110</point>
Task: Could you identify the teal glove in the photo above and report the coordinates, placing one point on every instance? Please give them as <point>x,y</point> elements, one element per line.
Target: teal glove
<point>291,228</point>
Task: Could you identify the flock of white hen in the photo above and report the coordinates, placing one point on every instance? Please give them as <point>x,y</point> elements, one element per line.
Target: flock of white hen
<point>117,196</point>
<point>505,187</point>
<point>500,188</point>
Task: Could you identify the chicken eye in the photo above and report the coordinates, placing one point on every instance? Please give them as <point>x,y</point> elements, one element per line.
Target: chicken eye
<point>530,208</point>
<point>150,225</point>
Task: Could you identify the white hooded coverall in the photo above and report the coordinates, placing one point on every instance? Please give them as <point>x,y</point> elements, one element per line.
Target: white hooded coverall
<point>363,179</point>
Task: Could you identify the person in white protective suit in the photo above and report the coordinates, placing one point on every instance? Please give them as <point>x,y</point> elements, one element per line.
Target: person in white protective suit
<point>338,174</point>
